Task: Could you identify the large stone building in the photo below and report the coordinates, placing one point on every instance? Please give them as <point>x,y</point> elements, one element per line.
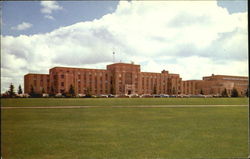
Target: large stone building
<point>125,79</point>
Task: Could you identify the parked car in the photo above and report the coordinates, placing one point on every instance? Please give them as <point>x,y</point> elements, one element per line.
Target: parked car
<point>208,96</point>
<point>146,96</point>
<point>172,96</point>
<point>111,96</point>
<point>25,95</point>
<point>197,96</point>
<point>134,96</point>
<point>122,96</point>
<point>45,95</point>
<point>80,95</point>
<point>59,95</point>
<point>102,96</point>
<point>156,96</point>
<point>164,95</point>
<point>217,96</point>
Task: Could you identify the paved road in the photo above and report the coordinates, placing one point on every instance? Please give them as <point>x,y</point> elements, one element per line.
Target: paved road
<point>135,106</point>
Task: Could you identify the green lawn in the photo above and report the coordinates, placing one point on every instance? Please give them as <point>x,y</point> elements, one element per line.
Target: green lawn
<point>122,133</point>
<point>121,101</point>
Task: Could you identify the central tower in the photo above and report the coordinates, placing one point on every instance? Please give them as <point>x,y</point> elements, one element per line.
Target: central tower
<point>124,78</point>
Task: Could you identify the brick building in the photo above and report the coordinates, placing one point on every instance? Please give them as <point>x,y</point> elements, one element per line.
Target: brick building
<point>216,84</point>
<point>118,78</point>
<point>123,78</point>
<point>39,82</point>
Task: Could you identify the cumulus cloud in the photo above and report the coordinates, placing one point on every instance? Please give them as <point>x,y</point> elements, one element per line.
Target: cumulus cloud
<point>49,17</point>
<point>48,7</point>
<point>22,26</point>
<point>194,39</point>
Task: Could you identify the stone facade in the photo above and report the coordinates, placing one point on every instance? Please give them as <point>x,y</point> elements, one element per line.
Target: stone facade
<point>125,79</point>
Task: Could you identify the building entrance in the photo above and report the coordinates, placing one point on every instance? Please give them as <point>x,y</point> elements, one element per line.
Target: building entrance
<point>129,92</point>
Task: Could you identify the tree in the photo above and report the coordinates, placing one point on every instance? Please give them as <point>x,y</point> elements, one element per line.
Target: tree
<point>247,93</point>
<point>72,91</point>
<point>234,93</point>
<point>52,92</point>
<point>20,91</point>
<point>43,91</point>
<point>155,90</point>
<point>11,91</point>
<point>88,94</point>
<point>112,90</point>
<point>224,93</point>
<point>32,92</point>
<point>5,95</point>
<point>174,90</point>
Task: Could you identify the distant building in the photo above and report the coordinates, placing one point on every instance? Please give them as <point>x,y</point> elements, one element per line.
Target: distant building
<point>125,79</point>
<point>215,84</point>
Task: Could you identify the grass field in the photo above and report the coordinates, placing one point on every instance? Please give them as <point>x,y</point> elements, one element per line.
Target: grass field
<point>121,101</point>
<point>121,133</point>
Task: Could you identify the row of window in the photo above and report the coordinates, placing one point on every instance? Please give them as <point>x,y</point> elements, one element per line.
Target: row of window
<point>41,82</point>
<point>87,73</point>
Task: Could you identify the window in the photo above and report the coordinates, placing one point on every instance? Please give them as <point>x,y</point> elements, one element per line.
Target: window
<point>62,76</point>
<point>128,78</point>
<point>62,84</point>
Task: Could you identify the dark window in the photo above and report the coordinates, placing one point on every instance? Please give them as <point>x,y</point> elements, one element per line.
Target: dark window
<point>62,76</point>
<point>62,83</point>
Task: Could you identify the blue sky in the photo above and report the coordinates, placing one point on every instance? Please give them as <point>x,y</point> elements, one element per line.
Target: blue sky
<point>15,13</point>
<point>191,38</point>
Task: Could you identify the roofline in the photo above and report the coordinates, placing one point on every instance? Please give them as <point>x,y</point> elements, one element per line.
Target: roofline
<point>121,63</point>
<point>36,74</point>
<point>175,74</point>
<point>191,80</point>
<point>226,76</point>
<point>77,68</point>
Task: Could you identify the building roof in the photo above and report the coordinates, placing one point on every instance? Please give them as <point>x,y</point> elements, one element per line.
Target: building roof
<point>36,74</point>
<point>120,63</point>
<point>59,67</point>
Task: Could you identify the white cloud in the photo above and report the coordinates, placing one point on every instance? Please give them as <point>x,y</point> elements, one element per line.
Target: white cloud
<point>22,26</point>
<point>193,39</point>
<point>50,6</point>
<point>49,17</point>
